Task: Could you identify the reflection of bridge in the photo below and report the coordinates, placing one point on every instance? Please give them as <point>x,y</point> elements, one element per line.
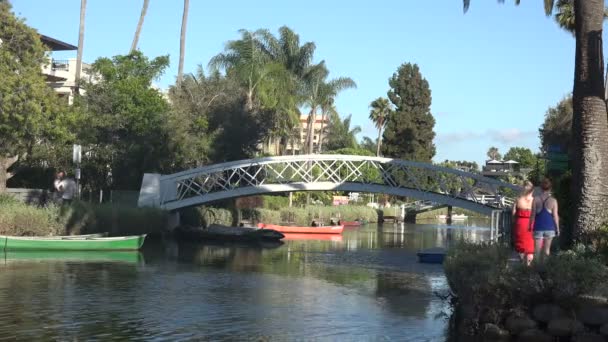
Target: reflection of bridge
<point>321,173</point>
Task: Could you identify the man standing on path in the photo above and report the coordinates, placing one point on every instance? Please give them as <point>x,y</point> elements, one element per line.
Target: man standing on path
<point>58,178</point>
<point>67,187</point>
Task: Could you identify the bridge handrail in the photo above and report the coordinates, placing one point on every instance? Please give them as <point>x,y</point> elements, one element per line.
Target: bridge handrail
<point>325,157</point>
<point>335,173</point>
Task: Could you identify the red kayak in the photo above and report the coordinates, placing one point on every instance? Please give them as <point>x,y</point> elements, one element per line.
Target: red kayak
<point>303,230</point>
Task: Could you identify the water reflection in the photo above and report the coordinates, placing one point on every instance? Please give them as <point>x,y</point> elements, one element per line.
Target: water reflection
<point>366,285</point>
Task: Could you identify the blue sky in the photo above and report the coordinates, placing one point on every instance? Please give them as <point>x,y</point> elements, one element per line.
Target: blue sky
<point>493,72</point>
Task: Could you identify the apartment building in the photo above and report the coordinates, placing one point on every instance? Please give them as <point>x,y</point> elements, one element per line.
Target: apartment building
<point>61,73</point>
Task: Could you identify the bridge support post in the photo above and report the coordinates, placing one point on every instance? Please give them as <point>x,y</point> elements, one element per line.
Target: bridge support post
<point>449,217</point>
<point>237,214</point>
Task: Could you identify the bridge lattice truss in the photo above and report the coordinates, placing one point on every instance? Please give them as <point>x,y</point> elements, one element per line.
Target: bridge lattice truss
<point>332,172</point>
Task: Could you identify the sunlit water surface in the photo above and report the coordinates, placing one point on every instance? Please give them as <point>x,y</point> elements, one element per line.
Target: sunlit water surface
<point>363,285</point>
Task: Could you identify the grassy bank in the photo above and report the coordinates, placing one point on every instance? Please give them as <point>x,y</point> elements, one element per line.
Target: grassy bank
<point>300,216</point>
<point>495,296</point>
<point>19,219</point>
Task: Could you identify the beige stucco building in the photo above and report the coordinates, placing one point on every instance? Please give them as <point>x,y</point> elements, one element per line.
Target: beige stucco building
<point>61,74</point>
<point>298,145</point>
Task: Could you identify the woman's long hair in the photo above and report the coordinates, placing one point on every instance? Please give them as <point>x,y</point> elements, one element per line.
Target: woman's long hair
<point>528,188</point>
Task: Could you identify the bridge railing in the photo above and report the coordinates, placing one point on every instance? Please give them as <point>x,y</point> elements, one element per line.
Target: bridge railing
<point>331,172</point>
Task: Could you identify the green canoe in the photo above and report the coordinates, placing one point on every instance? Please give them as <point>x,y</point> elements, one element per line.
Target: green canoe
<point>124,243</point>
<point>73,256</point>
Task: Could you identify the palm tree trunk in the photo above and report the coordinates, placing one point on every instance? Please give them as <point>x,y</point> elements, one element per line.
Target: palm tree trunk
<point>311,130</point>
<point>590,121</point>
<point>83,8</point>
<point>140,23</point>
<point>321,133</point>
<point>182,43</point>
<point>379,142</point>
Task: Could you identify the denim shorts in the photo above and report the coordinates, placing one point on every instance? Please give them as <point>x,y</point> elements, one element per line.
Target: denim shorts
<point>544,234</point>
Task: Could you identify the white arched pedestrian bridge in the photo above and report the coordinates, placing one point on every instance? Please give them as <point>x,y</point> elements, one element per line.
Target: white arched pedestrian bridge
<point>323,172</point>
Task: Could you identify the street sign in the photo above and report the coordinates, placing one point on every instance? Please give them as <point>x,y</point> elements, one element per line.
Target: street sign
<point>77,173</point>
<point>76,154</point>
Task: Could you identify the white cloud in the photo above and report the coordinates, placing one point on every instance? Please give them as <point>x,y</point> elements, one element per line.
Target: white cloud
<point>505,136</point>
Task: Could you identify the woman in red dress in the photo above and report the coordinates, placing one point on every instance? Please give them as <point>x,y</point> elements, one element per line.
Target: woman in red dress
<point>522,213</point>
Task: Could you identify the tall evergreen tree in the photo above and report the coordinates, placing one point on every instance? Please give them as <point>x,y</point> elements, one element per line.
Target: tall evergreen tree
<point>409,132</point>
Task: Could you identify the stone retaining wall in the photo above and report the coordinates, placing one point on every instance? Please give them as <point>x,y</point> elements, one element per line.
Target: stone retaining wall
<point>586,321</point>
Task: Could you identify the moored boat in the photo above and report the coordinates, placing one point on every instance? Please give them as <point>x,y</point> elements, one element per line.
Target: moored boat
<point>49,243</point>
<point>303,230</point>
<point>431,255</point>
<point>221,232</point>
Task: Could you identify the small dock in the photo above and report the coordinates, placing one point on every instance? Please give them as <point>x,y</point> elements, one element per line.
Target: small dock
<point>393,219</point>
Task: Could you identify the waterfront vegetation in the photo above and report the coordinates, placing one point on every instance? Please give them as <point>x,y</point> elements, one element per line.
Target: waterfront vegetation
<point>205,216</point>
<point>495,297</point>
<point>20,219</point>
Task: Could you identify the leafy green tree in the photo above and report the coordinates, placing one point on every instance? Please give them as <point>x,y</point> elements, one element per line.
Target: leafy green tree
<point>590,122</point>
<point>368,144</point>
<point>352,151</point>
<point>342,135</point>
<point>556,130</point>
<point>381,111</point>
<point>409,132</point>
<point>522,155</point>
<point>208,123</point>
<point>30,114</point>
<point>126,121</point>
<point>493,153</point>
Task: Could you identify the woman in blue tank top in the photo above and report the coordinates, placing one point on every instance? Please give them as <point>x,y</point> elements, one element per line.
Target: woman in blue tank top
<point>546,219</point>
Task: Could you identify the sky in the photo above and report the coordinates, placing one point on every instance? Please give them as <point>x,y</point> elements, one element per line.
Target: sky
<point>493,71</point>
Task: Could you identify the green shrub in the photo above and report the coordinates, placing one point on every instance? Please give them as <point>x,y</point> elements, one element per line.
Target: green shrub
<point>304,216</point>
<point>275,202</point>
<point>20,219</point>
<point>481,277</point>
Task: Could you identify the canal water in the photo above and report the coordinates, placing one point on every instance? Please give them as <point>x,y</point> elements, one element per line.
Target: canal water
<point>363,285</point>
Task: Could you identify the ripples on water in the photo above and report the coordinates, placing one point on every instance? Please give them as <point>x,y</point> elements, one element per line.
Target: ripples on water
<point>363,285</point>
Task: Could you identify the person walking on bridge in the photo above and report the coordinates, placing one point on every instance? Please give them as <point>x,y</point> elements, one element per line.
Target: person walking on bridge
<point>522,235</point>
<point>546,219</point>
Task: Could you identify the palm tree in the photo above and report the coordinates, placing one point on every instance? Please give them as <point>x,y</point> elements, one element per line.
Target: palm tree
<point>296,59</point>
<point>381,110</point>
<point>329,92</point>
<point>182,43</point>
<point>589,122</point>
<point>320,93</point>
<point>251,64</point>
<point>493,153</point>
<point>140,23</point>
<point>83,8</point>
<point>342,135</point>
<point>314,79</point>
